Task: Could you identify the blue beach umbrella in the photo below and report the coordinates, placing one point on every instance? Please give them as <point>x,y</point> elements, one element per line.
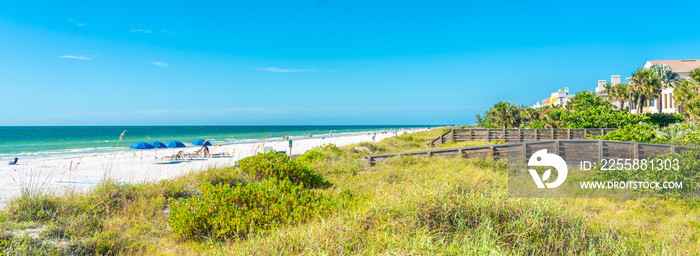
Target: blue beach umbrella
<point>201,143</point>
<point>175,144</point>
<point>142,145</point>
<point>158,144</point>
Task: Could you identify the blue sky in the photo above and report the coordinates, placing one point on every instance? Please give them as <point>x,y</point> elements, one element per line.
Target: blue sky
<point>317,62</point>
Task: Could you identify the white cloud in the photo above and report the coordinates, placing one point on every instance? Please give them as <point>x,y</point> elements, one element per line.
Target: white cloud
<point>140,30</point>
<point>279,70</point>
<point>79,24</point>
<point>169,32</point>
<point>83,57</point>
<point>159,63</point>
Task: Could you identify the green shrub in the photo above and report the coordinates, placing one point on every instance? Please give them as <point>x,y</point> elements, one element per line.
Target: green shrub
<point>327,151</point>
<point>600,117</point>
<point>375,148</point>
<point>633,132</point>
<point>34,207</point>
<point>680,132</point>
<point>663,119</point>
<point>310,156</point>
<point>272,165</point>
<point>330,148</point>
<point>223,211</point>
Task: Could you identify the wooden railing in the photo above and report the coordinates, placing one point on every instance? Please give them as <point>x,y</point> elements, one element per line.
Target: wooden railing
<point>515,135</point>
<point>571,150</point>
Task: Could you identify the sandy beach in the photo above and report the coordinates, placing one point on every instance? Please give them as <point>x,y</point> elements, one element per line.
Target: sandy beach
<point>81,172</point>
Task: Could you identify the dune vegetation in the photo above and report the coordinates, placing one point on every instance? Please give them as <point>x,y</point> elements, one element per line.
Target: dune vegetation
<point>327,202</point>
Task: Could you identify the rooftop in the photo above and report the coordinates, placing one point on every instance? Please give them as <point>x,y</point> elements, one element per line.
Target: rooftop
<point>677,65</point>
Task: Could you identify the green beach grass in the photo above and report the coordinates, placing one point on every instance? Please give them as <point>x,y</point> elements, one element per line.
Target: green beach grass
<point>406,205</point>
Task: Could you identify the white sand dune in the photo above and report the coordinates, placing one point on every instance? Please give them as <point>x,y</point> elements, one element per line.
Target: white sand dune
<point>82,172</point>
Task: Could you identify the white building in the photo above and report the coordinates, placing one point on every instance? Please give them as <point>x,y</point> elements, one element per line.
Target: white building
<point>560,97</point>
<point>600,90</point>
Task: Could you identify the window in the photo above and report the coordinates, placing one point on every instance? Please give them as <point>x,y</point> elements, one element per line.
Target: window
<point>644,103</point>
<point>665,100</point>
<point>651,103</point>
<point>670,95</point>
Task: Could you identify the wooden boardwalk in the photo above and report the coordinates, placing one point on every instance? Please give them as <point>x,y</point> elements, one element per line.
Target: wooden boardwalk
<point>516,135</point>
<point>571,150</point>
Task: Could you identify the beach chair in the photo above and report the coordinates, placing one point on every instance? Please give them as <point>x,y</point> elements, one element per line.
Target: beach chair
<point>222,154</point>
<point>192,155</point>
<point>175,157</point>
<point>13,162</point>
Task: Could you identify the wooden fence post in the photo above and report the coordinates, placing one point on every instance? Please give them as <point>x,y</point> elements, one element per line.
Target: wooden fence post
<point>568,134</point>
<point>522,134</point>
<point>600,151</point>
<point>635,151</point>
<point>551,131</point>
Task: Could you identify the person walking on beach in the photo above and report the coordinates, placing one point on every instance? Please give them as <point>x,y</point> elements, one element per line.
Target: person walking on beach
<point>206,151</point>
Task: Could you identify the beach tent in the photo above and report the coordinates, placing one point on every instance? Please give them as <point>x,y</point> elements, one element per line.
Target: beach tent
<point>158,144</point>
<point>175,144</point>
<point>201,143</point>
<point>142,145</point>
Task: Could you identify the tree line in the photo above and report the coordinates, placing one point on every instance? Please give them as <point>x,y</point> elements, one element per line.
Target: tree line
<point>589,110</point>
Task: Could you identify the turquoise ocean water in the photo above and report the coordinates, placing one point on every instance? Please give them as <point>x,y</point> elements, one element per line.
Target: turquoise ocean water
<point>47,141</point>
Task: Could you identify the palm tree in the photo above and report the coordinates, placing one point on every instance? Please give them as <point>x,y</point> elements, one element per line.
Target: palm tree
<point>668,79</point>
<point>645,82</point>
<point>620,94</point>
<point>504,114</point>
<point>551,116</point>
<point>687,95</point>
<point>606,89</point>
<point>527,115</point>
